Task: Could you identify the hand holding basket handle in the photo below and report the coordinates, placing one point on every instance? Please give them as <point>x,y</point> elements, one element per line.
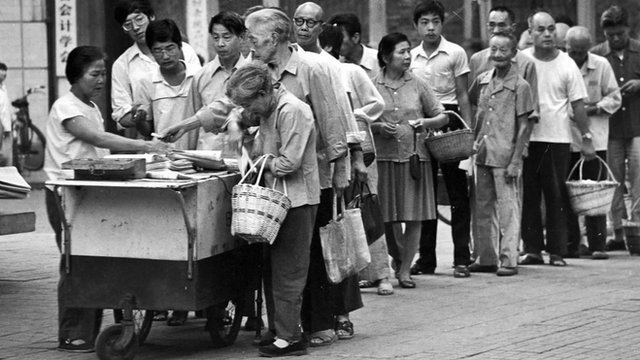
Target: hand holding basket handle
<point>453,145</point>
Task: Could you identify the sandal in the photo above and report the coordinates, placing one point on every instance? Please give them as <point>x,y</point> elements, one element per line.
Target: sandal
<point>364,284</point>
<point>322,338</point>
<point>557,260</point>
<point>344,329</point>
<point>385,287</point>
<point>407,284</point>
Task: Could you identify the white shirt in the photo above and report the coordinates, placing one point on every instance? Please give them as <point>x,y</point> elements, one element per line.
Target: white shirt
<point>441,68</point>
<point>127,71</point>
<point>62,145</point>
<point>167,104</point>
<point>603,91</point>
<point>559,84</point>
<point>5,110</point>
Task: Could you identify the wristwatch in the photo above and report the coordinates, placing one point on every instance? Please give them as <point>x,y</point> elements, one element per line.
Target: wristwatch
<point>587,136</point>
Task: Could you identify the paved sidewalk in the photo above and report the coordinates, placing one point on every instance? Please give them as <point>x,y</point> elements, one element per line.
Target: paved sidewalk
<point>588,310</point>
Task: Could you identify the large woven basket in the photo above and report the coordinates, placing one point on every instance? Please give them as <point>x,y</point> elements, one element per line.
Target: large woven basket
<point>589,197</point>
<point>453,145</point>
<point>257,211</point>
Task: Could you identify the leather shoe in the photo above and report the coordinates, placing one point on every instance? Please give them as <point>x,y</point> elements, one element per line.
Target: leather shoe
<point>599,255</point>
<point>293,349</point>
<point>461,271</point>
<point>475,267</point>
<point>416,269</point>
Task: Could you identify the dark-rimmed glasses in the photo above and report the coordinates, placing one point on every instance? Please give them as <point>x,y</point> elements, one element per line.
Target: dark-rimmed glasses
<point>310,22</point>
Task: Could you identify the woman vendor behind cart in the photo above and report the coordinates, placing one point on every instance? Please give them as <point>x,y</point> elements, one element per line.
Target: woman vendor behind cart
<point>75,129</point>
<point>287,132</point>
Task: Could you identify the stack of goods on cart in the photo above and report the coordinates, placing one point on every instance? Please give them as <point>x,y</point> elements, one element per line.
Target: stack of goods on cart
<point>12,185</point>
<point>182,165</point>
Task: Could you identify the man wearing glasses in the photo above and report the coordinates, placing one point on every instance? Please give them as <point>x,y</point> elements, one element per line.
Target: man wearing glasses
<point>136,62</point>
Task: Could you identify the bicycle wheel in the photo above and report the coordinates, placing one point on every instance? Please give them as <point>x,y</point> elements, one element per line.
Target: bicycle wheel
<point>34,157</point>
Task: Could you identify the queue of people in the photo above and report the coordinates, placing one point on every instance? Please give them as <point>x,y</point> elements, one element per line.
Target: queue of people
<point>331,112</point>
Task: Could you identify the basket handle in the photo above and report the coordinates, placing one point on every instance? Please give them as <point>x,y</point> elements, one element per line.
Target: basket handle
<point>635,203</point>
<point>284,184</point>
<point>581,162</point>
<point>464,123</point>
<point>253,166</point>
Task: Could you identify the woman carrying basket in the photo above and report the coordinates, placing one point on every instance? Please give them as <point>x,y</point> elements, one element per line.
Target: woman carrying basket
<point>405,186</point>
<point>287,134</point>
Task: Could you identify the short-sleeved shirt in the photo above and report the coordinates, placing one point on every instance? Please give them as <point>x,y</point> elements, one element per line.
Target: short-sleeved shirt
<point>624,123</point>
<point>62,145</point>
<point>559,84</point>
<point>604,92</point>
<point>369,61</point>
<point>289,134</point>
<point>131,67</point>
<point>210,84</point>
<point>441,68</point>
<point>168,104</point>
<point>410,99</point>
<point>500,103</point>
<point>480,62</point>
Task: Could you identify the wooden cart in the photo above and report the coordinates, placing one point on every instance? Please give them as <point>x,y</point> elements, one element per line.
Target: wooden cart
<point>155,245</point>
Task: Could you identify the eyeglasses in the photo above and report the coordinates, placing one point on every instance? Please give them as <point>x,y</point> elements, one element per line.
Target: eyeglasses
<point>139,20</point>
<point>170,50</point>
<point>310,22</point>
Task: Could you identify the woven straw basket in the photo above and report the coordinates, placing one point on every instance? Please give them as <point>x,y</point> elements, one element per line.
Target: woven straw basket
<point>590,197</point>
<point>453,145</point>
<point>257,211</point>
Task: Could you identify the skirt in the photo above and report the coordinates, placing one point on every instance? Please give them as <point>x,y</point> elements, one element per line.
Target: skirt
<point>401,197</point>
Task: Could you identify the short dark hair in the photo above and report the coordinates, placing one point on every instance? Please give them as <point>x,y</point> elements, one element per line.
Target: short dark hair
<point>348,21</point>
<point>428,7</point>
<point>331,36</point>
<point>79,60</point>
<point>229,19</point>
<point>163,30</point>
<point>126,7</point>
<point>565,19</point>
<point>3,66</point>
<point>388,44</point>
<point>502,8</point>
<point>614,16</point>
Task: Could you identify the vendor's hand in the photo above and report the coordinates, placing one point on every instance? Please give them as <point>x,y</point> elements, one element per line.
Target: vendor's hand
<point>340,176</point>
<point>159,147</point>
<point>587,150</point>
<point>234,134</point>
<point>630,87</point>
<point>388,131</point>
<point>514,169</point>
<point>172,133</point>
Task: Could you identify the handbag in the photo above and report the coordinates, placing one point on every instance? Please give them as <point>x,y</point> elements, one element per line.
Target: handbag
<point>343,242</point>
<point>369,205</point>
<point>414,160</point>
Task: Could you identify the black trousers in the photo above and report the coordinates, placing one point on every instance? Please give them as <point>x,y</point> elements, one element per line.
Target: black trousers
<point>596,225</point>
<point>544,173</point>
<point>458,189</point>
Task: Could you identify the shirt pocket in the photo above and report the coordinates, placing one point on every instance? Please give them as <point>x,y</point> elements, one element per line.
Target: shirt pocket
<point>442,81</point>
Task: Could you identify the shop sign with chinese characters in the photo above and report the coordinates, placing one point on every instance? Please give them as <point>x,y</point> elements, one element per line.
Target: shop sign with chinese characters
<point>66,30</point>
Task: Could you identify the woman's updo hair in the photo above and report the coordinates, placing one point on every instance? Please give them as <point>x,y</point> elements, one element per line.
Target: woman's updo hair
<point>388,44</point>
<point>79,60</point>
<point>247,81</point>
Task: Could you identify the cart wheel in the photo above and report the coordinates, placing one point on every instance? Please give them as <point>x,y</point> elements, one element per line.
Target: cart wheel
<point>105,344</point>
<point>142,320</point>
<point>223,323</point>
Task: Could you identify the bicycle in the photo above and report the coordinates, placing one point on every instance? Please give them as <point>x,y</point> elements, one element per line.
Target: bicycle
<point>28,141</point>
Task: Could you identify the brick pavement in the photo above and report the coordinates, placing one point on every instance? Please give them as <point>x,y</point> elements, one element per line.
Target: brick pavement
<point>588,310</point>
